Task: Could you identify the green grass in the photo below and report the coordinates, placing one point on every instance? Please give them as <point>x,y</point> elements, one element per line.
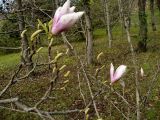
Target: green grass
<point>32,89</point>
<point>9,61</point>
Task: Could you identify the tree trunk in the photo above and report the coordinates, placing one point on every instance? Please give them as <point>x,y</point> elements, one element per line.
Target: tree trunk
<point>89,32</point>
<point>107,21</point>
<point>108,24</point>
<point>127,6</point>
<point>152,15</point>
<point>25,59</point>
<point>142,45</point>
<point>158,4</point>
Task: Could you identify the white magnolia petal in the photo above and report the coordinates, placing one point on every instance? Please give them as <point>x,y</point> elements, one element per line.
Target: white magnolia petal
<point>65,7</point>
<point>71,10</point>
<point>57,15</point>
<point>69,20</point>
<point>57,28</point>
<point>67,4</point>
<point>142,72</point>
<point>111,72</point>
<point>119,72</point>
<point>66,21</point>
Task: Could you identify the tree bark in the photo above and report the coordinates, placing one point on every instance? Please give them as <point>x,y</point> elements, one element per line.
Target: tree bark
<point>89,32</point>
<point>152,15</point>
<point>25,59</point>
<point>107,21</point>
<point>142,44</point>
<point>158,4</point>
<point>127,6</point>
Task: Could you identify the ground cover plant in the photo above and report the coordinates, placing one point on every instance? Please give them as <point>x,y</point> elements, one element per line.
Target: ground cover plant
<point>111,73</point>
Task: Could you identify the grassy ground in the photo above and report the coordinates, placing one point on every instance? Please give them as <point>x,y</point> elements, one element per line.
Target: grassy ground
<point>9,62</point>
<point>31,90</point>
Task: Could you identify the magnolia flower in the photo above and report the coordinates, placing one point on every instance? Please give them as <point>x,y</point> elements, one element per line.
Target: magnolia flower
<point>118,73</point>
<point>142,72</point>
<point>64,18</point>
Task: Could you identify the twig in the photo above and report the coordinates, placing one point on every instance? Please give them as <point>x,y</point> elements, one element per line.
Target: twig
<point>27,75</point>
<point>9,32</point>
<point>151,85</point>
<point>16,110</point>
<point>80,89</point>
<point>11,81</point>
<point>47,93</point>
<point>134,62</point>
<point>42,10</point>
<point>86,78</point>
<point>49,53</point>
<point>10,48</point>
<point>118,109</point>
<point>120,97</point>
<point>89,87</point>
<point>28,109</point>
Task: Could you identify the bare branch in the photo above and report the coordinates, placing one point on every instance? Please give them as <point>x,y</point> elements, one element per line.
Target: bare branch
<point>11,81</point>
<point>8,100</point>
<point>10,48</point>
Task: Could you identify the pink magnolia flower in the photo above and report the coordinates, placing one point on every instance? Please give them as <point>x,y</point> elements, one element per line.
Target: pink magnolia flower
<point>117,74</point>
<point>65,18</point>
